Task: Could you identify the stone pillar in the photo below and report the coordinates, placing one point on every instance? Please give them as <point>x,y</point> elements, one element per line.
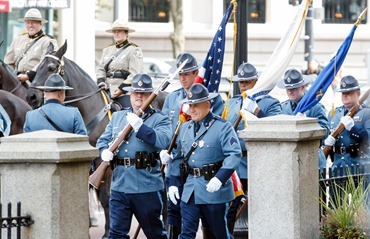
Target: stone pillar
<point>283,177</point>
<point>47,171</point>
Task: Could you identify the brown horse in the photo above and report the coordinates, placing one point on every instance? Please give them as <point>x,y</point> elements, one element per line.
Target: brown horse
<point>9,82</point>
<point>16,109</point>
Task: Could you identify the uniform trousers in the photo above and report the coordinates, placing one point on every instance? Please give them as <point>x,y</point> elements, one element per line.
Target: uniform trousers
<point>146,207</point>
<point>173,211</point>
<point>213,214</point>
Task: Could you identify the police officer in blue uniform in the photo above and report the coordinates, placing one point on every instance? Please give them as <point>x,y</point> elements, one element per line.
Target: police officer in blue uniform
<point>268,106</point>
<point>208,152</point>
<point>351,146</point>
<point>172,107</point>
<point>54,115</point>
<point>137,182</point>
<point>295,84</point>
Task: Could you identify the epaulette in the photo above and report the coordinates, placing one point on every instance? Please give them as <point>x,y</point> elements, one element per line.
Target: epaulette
<point>217,117</point>
<point>133,44</point>
<point>50,36</point>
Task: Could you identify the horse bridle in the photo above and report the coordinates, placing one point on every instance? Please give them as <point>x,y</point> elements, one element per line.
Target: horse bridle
<point>93,123</point>
<point>60,71</point>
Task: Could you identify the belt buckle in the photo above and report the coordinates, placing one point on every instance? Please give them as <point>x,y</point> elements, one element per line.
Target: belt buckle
<point>342,150</point>
<point>194,144</point>
<point>196,172</point>
<point>126,162</point>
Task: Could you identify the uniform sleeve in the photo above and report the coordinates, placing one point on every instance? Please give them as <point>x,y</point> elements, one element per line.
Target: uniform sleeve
<point>232,151</point>
<point>106,137</point>
<point>323,121</point>
<point>100,71</point>
<point>79,125</point>
<point>218,105</point>
<point>26,126</point>
<point>9,58</point>
<point>135,62</point>
<point>159,135</point>
<point>269,107</point>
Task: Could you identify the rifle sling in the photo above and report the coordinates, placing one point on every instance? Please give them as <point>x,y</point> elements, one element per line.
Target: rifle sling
<point>50,121</point>
<point>195,144</point>
<point>25,52</point>
<point>115,55</point>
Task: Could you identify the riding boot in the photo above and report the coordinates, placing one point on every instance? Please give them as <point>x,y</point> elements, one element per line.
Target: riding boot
<point>173,231</point>
<point>207,233</point>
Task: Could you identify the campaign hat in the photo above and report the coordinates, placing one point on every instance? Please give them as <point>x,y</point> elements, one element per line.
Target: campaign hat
<point>246,72</point>
<point>198,93</point>
<point>293,79</point>
<point>120,24</point>
<point>348,83</point>
<point>190,66</point>
<point>34,15</point>
<point>140,83</point>
<point>54,83</point>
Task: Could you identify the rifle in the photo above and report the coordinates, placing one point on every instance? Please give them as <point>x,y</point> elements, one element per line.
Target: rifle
<point>95,179</point>
<point>340,127</point>
<point>173,141</point>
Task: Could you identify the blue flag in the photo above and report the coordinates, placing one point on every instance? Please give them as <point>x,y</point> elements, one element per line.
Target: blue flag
<point>210,73</point>
<point>326,77</point>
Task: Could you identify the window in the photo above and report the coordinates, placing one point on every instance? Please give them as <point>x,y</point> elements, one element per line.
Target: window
<point>149,11</point>
<point>256,10</point>
<point>344,11</point>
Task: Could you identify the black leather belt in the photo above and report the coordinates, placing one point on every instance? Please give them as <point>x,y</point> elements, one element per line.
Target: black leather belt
<point>208,171</point>
<point>353,149</point>
<point>127,162</point>
<point>118,74</point>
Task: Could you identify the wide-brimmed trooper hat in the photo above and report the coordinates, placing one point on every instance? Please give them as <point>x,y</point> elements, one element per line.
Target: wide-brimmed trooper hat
<point>293,79</point>
<point>140,83</point>
<point>198,93</point>
<point>34,15</point>
<point>348,83</point>
<point>120,24</point>
<point>54,83</point>
<point>246,72</point>
<point>190,66</point>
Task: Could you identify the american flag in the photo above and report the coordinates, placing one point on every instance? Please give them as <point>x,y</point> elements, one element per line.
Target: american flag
<point>210,73</point>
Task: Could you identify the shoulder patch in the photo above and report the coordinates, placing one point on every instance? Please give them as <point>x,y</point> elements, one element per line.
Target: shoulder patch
<point>138,53</point>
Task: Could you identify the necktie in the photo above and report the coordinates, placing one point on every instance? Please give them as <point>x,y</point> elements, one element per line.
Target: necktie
<point>294,105</point>
<point>196,128</point>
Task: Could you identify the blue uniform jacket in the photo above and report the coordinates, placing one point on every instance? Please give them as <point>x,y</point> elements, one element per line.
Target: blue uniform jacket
<point>268,105</point>
<point>172,105</point>
<point>67,118</point>
<point>358,134</point>
<point>153,135</point>
<point>317,111</point>
<point>219,144</point>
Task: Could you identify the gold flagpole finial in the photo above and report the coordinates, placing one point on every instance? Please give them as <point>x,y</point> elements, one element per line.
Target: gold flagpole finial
<point>359,19</point>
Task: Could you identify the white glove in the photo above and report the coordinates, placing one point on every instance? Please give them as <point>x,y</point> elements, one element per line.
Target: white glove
<point>106,155</point>
<point>329,141</point>
<point>249,105</point>
<point>165,157</point>
<point>135,121</point>
<point>213,185</point>
<point>348,122</point>
<point>173,194</point>
<point>301,114</point>
<point>103,85</point>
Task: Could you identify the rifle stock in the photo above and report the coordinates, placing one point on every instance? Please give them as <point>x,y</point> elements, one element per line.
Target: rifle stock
<point>340,127</point>
<point>95,178</point>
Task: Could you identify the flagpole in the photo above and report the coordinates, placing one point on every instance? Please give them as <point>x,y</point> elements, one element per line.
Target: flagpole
<point>241,48</point>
